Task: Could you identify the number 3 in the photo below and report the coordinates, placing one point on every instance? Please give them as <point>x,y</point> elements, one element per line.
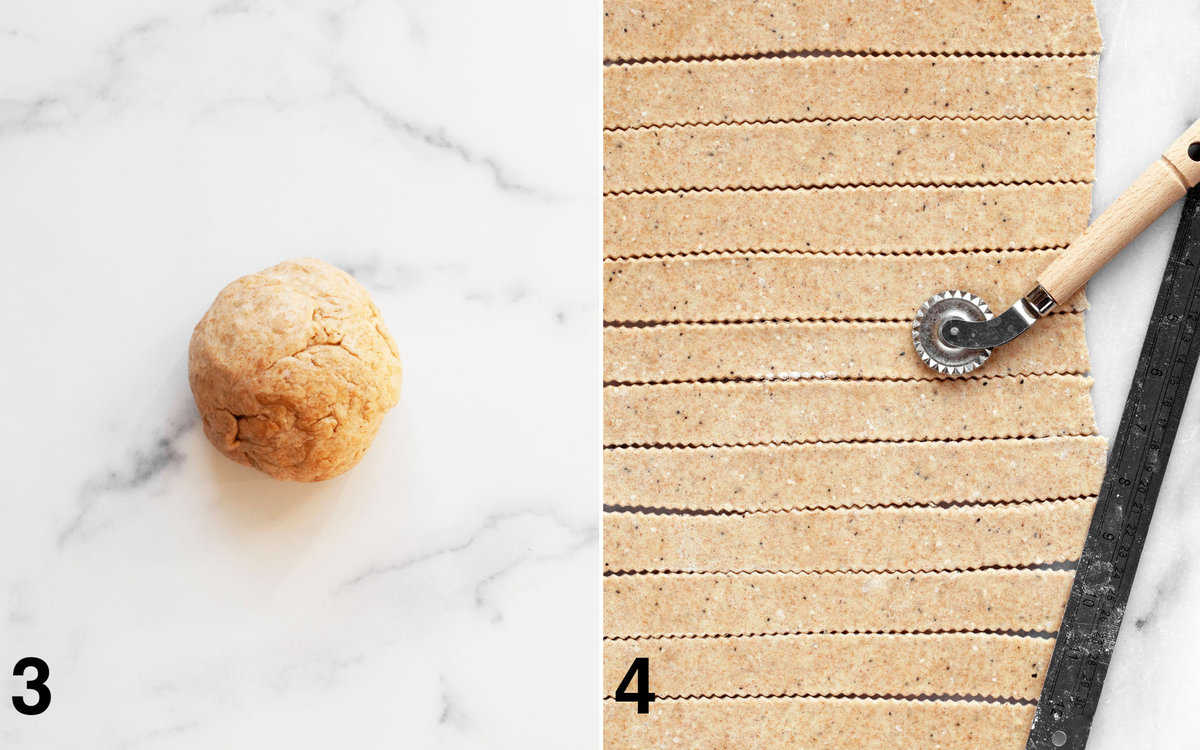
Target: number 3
<point>37,684</point>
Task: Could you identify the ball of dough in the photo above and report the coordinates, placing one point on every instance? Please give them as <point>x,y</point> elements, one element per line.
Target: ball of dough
<point>292,370</point>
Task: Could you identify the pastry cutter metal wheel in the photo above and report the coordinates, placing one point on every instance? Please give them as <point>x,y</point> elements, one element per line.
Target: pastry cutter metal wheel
<point>955,331</point>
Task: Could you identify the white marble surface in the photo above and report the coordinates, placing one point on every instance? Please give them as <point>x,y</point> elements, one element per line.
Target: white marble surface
<point>1149,92</point>
<point>444,594</point>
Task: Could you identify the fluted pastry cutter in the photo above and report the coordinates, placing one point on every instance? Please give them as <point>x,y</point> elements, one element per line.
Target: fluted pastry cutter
<point>955,331</point>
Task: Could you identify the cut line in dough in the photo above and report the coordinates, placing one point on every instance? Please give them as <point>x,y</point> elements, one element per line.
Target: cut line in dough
<point>750,603</point>
<point>871,539</point>
<point>815,88</point>
<point>977,664</point>
<point>846,219</point>
<point>868,152</point>
<point>682,352</point>
<point>818,410</point>
<point>826,723</point>
<point>652,29</point>
<point>823,475</point>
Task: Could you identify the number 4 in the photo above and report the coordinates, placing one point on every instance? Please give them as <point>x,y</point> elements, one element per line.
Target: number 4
<point>643,697</point>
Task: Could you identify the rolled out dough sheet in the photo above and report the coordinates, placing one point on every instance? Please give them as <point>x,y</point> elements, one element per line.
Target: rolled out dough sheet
<point>828,475</point>
<point>839,410</point>
<point>762,229</point>
<point>965,664</point>
<point>825,723</point>
<point>856,86</point>
<point>802,286</point>
<point>878,539</point>
<point>846,219</point>
<point>683,604</point>
<point>648,29</point>
<point>822,349</point>
<point>867,152</point>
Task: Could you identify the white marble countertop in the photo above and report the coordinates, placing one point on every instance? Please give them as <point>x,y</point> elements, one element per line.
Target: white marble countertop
<point>445,592</point>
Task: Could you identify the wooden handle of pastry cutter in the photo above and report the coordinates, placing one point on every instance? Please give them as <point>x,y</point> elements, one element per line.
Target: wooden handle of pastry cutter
<point>1164,182</point>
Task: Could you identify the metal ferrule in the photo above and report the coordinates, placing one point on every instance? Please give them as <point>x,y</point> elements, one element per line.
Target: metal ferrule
<point>1039,302</point>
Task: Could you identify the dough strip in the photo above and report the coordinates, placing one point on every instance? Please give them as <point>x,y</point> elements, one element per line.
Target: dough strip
<point>825,723</point>
<point>822,475</point>
<point>648,29</point>
<point>802,286</point>
<point>867,152</point>
<point>846,219</point>
<point>821,410</point>
<point>814,88</point>
<point>804,350</point>
<point>749,603</point>
<point>870,539</point>
<point>967,664</point>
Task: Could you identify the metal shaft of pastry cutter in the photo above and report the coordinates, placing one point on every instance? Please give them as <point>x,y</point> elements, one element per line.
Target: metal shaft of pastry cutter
<point>1162,184</point>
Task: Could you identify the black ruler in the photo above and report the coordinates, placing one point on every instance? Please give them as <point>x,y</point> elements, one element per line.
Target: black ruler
<point>1136,462</point>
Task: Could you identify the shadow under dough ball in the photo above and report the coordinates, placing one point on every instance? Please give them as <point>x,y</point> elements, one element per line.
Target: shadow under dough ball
<point>293,370</point>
